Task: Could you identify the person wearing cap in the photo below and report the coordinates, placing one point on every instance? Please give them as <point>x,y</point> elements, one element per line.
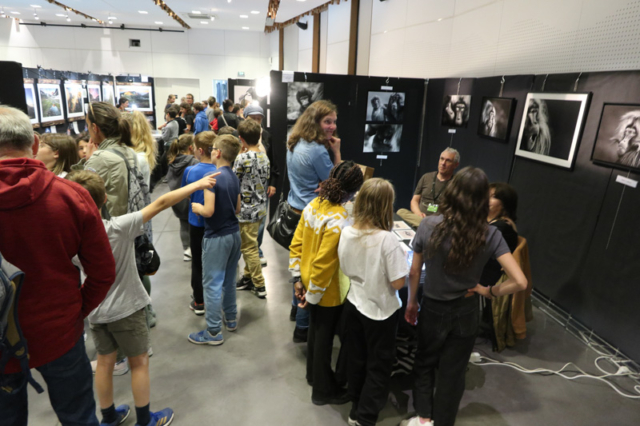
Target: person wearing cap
<point>256,113</point>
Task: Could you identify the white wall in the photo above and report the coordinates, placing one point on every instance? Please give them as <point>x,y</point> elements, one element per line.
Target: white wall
<point>475,38</point>
<point>338,38</point>
<point>290,47</point>
<point>204,55</point>
<point>305,45</point>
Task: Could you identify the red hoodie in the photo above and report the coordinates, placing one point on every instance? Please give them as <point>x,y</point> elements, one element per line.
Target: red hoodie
<point>44,222</point>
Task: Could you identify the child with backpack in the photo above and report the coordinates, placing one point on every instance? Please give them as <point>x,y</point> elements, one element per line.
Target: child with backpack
<point>372,257</point>
<point>203,148</point>
<point>119,321</point>
<point>180,157</point>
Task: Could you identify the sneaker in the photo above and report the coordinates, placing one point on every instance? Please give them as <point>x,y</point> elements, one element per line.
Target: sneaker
<point>187,255</point>
<point>150,352</point>
<point>293,313</point>
<point>121,368</point>
<point>300,335</point>
<point>244,283</point>
<point>339,399</point>
<point>231,325</point>
<point>160,418</point>
<point>261,292</point>
<point>122,413</point>
<point>352,422</point>
<point>197,308</point>
<point>415,421</point>
<point>205,338</point>
<point>263,262</point>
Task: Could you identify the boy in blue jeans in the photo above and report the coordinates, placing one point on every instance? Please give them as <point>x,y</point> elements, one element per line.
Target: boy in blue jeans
<point>204,148</point>
<point>221,244</point>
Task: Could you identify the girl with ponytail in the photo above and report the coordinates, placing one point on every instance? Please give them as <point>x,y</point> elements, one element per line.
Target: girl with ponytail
<point>314,264</point>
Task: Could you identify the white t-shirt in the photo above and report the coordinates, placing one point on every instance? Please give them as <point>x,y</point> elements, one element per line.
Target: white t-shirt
<point>127,295</point>
<point>372,260</point>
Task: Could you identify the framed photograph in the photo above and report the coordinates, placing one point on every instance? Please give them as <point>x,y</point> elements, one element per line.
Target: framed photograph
<point>382,137</point>
<point>139,95</point>
<point>385,107</point>
<point>74,97</point>
<point>496,117</point>
<point>108,95</point>
<point>94,94</point>
<point>455,110</point>
<point>50,99</point>
<point>300,95</point>
<point>30,97</point>
<point>552,126</point>
<point>240,93</point>
<point>618,138</point>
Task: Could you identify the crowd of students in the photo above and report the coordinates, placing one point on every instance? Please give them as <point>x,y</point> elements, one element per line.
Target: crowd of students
<point>346,267</point>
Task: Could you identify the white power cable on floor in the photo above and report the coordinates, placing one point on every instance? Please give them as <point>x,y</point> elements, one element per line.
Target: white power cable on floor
<point>623,371</point>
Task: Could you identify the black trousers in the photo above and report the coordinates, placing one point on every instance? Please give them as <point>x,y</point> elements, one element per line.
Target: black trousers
<point>162,166</point>
<point>196,234</point>
<point>446,335</point>
<point>323,326</point>
<point>372,351</point>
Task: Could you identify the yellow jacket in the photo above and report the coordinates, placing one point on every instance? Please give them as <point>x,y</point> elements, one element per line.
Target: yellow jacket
<point>313,254</point>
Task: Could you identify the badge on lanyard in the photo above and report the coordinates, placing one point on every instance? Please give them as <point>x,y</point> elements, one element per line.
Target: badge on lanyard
<point>432,208</point>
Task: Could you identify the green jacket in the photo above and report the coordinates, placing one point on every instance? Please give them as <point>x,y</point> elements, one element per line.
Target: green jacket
<point>113,171</point>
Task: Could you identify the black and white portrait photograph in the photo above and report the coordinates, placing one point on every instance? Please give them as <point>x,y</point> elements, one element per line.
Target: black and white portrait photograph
<point>382,137</point>
<point>242,93</point>
<point>551,127</point>
<point>300,95</point>
<point>385,107</point>
<point>495,118</point>
<point>455,110</point>
<point>618,139</point>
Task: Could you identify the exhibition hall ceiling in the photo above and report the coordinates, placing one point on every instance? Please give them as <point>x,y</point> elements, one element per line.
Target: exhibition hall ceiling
<point>248,15</point>
<point>291,8</point>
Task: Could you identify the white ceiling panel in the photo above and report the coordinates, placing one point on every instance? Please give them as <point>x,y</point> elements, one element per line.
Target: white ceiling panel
<point>291,8</point>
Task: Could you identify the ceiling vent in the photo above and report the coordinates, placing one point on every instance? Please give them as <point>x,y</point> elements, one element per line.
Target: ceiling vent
<point>199,16</point>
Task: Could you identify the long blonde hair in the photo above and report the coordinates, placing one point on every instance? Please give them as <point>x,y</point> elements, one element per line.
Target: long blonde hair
<point>141,136</point>
<point>374,205</point>
<point>308,125</point>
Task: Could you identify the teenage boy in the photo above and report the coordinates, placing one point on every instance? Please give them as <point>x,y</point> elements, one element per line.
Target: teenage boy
<point>120,320</point>
<point>204,147</point>
<point>252,168</point>
<point>221,244</point>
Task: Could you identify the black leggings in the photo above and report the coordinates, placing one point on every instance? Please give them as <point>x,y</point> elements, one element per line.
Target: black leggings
<point>196,234</point>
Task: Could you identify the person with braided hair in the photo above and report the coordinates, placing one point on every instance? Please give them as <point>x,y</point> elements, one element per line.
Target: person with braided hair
<point>314,265</point>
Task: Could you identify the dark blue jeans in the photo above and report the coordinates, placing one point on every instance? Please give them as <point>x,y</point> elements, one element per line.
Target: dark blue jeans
<point>446,335</point>
<point>70,385</point>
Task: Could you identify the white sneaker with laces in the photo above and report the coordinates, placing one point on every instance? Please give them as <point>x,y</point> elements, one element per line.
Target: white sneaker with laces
<point>415,421</point>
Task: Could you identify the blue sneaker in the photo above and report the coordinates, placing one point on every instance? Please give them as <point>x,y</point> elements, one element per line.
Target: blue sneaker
<point>205,338</point>
<point>231,325</point>
<point>160,418</point>
<point>122,413</point>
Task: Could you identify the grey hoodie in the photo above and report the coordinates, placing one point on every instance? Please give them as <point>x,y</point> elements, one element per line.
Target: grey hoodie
<point>174,180</point>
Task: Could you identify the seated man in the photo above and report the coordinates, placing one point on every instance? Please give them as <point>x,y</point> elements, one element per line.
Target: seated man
<point>430,186</point>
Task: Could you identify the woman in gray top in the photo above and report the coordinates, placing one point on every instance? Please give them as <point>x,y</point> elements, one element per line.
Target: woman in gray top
<point>455,246</point>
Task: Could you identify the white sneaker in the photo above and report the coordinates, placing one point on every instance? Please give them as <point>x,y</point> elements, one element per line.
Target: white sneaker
<point>352,422</point>
<point>150,352</point>
<point>187,255</point>
<point>415,421</point>
<point>121,368</point>
<point>263,262</point>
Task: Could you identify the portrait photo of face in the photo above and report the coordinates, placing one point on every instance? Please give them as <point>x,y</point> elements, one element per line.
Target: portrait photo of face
<point>382,138</point>
<point>496,116</point>
<point>618,142</point>
<point>385,107</point>
<point>300,95</point>
<point>455,110</point>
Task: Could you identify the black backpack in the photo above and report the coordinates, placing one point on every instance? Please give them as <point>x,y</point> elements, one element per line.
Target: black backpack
<point>12,342</point>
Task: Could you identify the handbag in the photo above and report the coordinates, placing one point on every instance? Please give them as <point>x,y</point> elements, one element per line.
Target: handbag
<point>284,222</point>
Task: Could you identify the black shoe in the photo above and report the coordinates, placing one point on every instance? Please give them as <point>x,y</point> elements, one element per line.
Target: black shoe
<point>244,283</point>
<point>293,313</point>
<point>339,399</point>
<point>300,335</point>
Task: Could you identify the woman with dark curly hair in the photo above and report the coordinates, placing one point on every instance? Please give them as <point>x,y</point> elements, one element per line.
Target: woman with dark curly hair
<point>455,246</point>
<point>314,264</point>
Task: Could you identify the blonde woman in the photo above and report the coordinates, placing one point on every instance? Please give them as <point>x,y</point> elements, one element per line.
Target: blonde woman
<point>58,153</point>
<point>144,144</point>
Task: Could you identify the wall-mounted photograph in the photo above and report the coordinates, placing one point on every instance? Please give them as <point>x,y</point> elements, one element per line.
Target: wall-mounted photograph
<point>385,107</point>
<point>139,95</point>
<point>455,110</point>
<point>496,116</point>
<point>552,126</point>
<point>74,99</point>
<point>30,97</point>
<point>93,91</point>
<point>618,138</point>
<point>242,93</point>
<point>300,95</point>
<point>108,94</point>
<point>50,98</point>
<point>382,137</point>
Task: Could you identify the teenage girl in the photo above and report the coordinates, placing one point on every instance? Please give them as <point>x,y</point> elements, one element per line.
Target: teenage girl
<point>180,157</point>
<point>373,258</point>
<point>314,264</point>
<point>58,153</point>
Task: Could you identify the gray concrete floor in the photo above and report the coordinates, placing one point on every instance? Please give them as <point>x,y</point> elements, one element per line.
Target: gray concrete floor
<point>257,376</point>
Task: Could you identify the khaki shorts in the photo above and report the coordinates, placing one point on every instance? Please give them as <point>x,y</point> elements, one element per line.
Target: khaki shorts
<point>130,334</point>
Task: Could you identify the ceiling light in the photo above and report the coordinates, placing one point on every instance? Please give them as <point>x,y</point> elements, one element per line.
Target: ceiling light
<point>204,22</point>
<point>68,19</point>
<point>245,28</point>
<point>439,19</point>
<point>196,12</point>
<point>244,16</point>
<point>111,18</point>
<point>144,12</point>
<point>301,0</point>
<point>36,6</point>
<point>255,12</point>
<point>213,18</point>
<point>158,22</point>
<point>62,15</point>
<point>228,1</point>
<point>15,13</point>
